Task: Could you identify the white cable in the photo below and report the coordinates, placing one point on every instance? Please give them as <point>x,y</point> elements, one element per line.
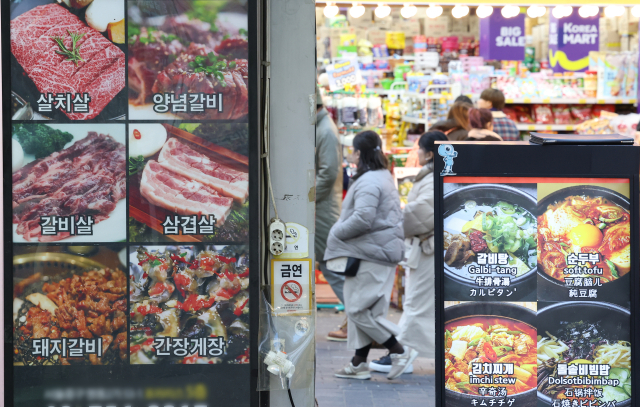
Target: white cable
<point>266,144</point>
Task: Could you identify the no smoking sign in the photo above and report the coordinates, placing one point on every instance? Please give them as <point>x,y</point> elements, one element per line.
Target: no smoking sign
<point>291,286</point>
<point>291,291</point>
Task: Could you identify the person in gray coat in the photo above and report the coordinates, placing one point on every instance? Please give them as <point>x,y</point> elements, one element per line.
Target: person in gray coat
<point>370,229</point>
<point>417,324</point>
<point>328,197</point>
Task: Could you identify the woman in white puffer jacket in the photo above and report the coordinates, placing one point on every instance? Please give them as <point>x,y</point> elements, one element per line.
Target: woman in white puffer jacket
<point>370,230</point>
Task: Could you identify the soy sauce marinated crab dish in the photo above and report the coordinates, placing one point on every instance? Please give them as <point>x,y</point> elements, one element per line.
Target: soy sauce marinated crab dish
<point>484,228</point>
<point>189,305</point>
<point>70,311</point>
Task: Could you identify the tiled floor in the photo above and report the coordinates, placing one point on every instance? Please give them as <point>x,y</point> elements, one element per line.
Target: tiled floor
<point>410,390</point>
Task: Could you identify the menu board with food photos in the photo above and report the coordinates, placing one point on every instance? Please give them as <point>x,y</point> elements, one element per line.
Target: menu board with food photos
<point>536,266</point>
<point>127,216</point>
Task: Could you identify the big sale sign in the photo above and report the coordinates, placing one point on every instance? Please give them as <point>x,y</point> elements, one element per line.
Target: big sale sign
<point>502,38</point>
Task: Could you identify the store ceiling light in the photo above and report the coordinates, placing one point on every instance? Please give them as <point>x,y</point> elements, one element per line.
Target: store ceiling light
<point>510,11</point>
<point>589,10</point>
<point>382,10</point>
<point>357,10</point>
<point>635,11</point>
<point>460,11</point>
<point>408,11</point>
<point>484,11</point>
<point>614,11</point>
<point>434,11</point>
<point>562,11</point>
<point>536,11</point>
<point>331,10</point>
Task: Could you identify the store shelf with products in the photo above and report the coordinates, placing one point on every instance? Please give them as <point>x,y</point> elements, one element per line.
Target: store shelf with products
<point>387,92</point>
<point>584,101</point>
<point>369,58</point>
<point>545,127</point>
<point>543,92</point>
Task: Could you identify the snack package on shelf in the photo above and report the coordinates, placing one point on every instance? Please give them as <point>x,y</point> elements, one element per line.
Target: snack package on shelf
<point>375,117</point>
<point>598,109</point>
<point>464,80</point>
<point>362,111</point>
<point>599,125</point>
<point>614,75</point>
<point>562,114</point>
<point>393,115</point>
<point>523,114</point>
<point>541,85</point>
<point>508,86</point>
<point>511,113</point>
<point>631,80</point>
<point>528,87</point>
<point>573,89</point>
<point>625,124</point>
<point>543,114</point>
<point>581,113</point>
<point>480,78</point>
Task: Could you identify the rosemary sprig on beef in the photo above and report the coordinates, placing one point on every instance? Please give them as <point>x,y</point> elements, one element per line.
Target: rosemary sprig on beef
<point>72,54</point>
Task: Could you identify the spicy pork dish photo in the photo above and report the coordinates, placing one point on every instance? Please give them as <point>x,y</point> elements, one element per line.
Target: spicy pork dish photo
<point>587,227</point>
<point>67,59</point>
<point>69,309</point>
<point>189,304</point>
<point>188,60</point>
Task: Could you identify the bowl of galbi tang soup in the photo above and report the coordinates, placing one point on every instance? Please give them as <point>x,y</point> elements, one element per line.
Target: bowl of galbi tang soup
<point>584,231</point>
<point>489,225</point>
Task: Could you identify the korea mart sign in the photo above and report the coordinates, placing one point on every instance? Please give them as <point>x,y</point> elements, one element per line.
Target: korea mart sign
<point>570,41</point>
<point>502,38</point>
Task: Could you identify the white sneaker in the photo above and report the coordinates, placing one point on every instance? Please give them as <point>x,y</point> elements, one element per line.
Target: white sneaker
<point>360,372</point>
<point>383,365</point>
<point>401,362</point>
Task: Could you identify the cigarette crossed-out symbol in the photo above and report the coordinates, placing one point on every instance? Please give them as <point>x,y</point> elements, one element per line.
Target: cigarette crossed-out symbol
<point>291,291</point>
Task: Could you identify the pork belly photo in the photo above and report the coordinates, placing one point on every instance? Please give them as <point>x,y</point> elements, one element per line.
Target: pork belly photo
<point>185,175</point>
<point>184,196</point>
<point>60,54</point>
<point>179,157</point>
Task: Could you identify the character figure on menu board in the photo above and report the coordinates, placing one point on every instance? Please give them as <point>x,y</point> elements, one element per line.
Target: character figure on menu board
<point>448,154</point>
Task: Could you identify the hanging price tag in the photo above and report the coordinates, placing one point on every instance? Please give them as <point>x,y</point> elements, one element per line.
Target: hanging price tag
<point>342,73</point>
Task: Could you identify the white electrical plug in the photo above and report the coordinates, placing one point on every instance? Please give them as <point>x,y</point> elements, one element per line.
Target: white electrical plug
<point>277,234</point>
<point>278,364</point>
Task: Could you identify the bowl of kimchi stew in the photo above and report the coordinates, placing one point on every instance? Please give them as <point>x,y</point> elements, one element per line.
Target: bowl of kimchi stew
<point>584,226</point>
<point>500,337</point>
<point>489,219</point>
<point>62,297</point>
